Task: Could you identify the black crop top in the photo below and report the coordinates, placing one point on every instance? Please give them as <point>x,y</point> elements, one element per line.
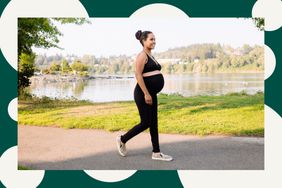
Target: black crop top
<point>151,65</point>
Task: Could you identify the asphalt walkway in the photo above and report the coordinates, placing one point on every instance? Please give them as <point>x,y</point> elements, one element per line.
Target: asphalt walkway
<point>92,149</point>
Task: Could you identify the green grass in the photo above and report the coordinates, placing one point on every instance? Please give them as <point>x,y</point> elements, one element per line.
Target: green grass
<point>23,168</point>
<point>236,114</point>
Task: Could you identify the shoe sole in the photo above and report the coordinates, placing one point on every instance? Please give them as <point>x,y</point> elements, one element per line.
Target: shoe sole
<point>162,159</point>
<point>117,141</point>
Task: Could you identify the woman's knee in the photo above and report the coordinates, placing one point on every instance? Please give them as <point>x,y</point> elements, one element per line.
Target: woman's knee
<point>145,124</point>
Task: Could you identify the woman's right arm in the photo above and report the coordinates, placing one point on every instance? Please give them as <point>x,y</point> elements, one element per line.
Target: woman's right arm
<point>140,63</point>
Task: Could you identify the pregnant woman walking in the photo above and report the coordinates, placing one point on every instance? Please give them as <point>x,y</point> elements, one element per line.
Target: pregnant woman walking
<point>150,81</point>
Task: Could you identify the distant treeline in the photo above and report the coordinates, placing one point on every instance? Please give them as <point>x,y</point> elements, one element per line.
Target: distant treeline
<point>205,57</point>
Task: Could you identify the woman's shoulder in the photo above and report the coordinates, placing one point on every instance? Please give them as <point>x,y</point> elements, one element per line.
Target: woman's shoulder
<point>142,55</point>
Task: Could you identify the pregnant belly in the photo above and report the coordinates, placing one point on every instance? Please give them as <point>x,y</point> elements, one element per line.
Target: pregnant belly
<point>154,83</point>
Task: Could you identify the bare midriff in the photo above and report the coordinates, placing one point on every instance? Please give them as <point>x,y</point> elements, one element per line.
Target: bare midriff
<point>151,73</point>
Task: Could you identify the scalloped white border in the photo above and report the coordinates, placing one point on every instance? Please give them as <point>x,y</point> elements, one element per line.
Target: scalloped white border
<point>271,10</point>
<point>31,8</point>
<point>270,62</point>
<point>10,176</point>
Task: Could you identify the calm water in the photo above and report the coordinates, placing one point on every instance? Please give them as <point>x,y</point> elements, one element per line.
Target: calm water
<point>104,90</point>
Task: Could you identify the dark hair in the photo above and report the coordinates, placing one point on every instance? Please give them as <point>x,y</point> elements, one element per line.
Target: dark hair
<point>142,35</point>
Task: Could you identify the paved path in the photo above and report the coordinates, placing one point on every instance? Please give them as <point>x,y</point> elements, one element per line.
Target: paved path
<point>92,149</point>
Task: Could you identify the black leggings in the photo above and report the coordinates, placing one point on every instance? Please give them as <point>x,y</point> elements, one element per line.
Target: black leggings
<point>148,113</point>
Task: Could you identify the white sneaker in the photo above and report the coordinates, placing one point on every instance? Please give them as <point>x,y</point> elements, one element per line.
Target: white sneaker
<point>121,146</point>
<point>161,156</point>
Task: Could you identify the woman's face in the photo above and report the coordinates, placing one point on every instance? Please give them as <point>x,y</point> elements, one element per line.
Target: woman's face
<point>151,41</point>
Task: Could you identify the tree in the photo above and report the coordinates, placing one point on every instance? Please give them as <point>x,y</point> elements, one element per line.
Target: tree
<point>65,67</point>
<point>259,22</point>
<point>55,66</point>
<point>41,32</point>
<point>169,68</point>
<point>38,32</point>
<point>78,66</point>
<point>235,62</point>
<point>25,70</point>
<point>246,49</point>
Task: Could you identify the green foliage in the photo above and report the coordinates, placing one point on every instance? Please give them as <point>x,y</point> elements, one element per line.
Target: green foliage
<point>26,64</point>
<point>55,67</point>
<point>23,168</point>
<point>41,32</point>
<point>24,94</point>
<point>46,71</point>
<point>83,73</point>
<point>215,58</point>
<point>78,66</point>
<point>259,22</point>
<point>77,21</point>
<point>65,66</point>
<point>37,32</point>
<point>25,69</point>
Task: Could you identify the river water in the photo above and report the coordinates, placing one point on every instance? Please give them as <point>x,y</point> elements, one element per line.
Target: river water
<point>115,89</point>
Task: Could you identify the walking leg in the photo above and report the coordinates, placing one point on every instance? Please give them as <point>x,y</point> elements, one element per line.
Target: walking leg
<point>145,113</point>
<point>154,125</point>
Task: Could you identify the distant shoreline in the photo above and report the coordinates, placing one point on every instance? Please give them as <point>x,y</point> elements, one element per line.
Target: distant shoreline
<point>71,78</point>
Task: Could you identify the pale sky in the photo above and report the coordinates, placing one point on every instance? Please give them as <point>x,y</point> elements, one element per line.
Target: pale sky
<point>116,36</point>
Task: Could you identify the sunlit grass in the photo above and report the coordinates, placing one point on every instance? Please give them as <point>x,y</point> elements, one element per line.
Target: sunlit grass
<point>20,167</point>
<point>237,114</point>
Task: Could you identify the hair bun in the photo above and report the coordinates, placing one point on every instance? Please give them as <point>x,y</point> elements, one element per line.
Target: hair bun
<point>138,34</point>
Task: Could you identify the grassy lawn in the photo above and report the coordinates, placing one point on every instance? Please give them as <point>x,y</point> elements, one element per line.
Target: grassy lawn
<point>237,114</point>
<point>23,168</point>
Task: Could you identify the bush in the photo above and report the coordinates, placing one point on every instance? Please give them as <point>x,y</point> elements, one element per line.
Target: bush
<point>23,94</point>
<point>83,73</point>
